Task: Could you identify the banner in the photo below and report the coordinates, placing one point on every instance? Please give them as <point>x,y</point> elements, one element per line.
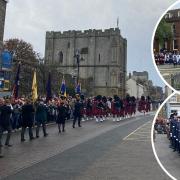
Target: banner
<point>6,60</point>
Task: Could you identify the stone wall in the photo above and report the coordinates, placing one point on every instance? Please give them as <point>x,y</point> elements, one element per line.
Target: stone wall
<point>103,57</point>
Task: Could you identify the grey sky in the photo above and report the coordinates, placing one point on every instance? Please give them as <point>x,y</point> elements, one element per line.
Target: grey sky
<point>30,19</point>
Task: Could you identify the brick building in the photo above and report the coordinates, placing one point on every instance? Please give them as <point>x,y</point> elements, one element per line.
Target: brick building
<point>173,18</point>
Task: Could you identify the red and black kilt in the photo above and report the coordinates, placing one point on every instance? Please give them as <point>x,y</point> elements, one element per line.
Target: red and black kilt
<point>89,112</point>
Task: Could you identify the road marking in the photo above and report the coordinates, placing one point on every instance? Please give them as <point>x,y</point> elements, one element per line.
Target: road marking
<point>141,134</point>
<point>136,130</point>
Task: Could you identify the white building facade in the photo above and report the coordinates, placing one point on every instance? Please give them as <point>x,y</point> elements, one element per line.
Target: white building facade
<point>134,89</point>
<point>173,105</point>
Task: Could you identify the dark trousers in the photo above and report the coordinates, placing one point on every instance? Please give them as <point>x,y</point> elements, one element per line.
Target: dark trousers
<point>75,119</point>
<point>43,127</point>
<point>2,129</point>
<point>63,126</point>
<point>23,132</point>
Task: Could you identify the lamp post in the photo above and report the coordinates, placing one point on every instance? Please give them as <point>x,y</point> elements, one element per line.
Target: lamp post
<point>78,59</point>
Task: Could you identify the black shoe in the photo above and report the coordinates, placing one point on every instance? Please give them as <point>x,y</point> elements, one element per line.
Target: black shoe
<point>31,138</point>
<point>1,156</point>
<point>37,136</point>
<point>8,145</point>
<point>73,126</point>
<point>63,130</point>
<point>80,126</point>
<point>1,145</point>
<point>22,140</point>
<point>45,135</point>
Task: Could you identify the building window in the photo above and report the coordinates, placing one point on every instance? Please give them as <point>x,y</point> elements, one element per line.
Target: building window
<point>68,45</point>
<point>178,13</point>
<point>167,16</point>
<point>174,28</point>
<point>175,44</point>
<point>114,54</point>
<point>173,99</point>
<point>84,50</point>
<point>60,57</point>
<point>113,79</point>
<point>99,58</point>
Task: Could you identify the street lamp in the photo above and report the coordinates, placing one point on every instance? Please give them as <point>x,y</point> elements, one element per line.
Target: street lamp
<point>78,59</point>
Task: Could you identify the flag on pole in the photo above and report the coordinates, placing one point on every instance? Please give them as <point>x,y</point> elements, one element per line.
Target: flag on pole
<point>34,88</point>
<point>63,88</point>
<point>15,91</point>
<point>48,88</point>
<point>78,88</point>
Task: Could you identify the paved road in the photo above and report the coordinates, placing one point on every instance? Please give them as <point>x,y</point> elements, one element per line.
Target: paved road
<point>108,150</point>
<point>169,159</point>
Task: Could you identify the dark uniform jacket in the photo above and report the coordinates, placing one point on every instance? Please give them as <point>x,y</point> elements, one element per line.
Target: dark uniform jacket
<point>5,114</point>
<point>41,113</point>
<point>27,115</point>
<point>78,108</point>
<point>62,113</point>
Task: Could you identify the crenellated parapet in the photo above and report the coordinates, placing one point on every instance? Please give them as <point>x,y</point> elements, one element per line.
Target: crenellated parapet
<point>85,33</point>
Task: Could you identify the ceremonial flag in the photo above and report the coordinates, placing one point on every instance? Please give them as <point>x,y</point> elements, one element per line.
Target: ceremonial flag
<point>16,84</point>
<point>48,88</point>
<point>63,88</point>
<point>78,89</point>
<point>34,88</point>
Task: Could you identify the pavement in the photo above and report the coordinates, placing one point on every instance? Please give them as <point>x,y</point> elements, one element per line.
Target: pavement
<point>108,150</point>
<point>168,66</point>
<point>169,159</point>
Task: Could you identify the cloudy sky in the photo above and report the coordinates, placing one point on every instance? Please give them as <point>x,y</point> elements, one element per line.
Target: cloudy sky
<point>30,19</point>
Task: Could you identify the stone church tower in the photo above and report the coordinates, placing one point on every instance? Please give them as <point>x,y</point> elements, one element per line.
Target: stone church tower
<point>2,21</point>
<point>103,57</point>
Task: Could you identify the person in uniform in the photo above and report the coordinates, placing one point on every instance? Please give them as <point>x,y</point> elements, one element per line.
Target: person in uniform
<point>27,119</point>
<point>62,114</point>
<point>88,109</point>
<point>100,108</point>
<point>41,118</point>
<point>148,104</point>
<point>5,124</point>
<point>142,105</point>
<point>133,100</point>
<point>77,112</point>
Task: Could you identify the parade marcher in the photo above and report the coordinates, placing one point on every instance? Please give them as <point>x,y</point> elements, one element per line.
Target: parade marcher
<point>133,104</point>
<point>109,105</point>
<point>142,105</point>
<point>148,104</point>
<point>5,124</point>
<point>116,108</point>
<point>41,118</point>
<point>27,119</point>
<point>62,114</point>
<point>88,109</point>
<point>77,112</point>
<point>99,108</point>
<point>173,123</point>
<point>16,115</point>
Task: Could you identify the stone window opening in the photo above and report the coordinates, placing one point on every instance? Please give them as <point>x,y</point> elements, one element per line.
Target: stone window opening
<point>99,58</point>
<point>68,45</point>
<point>113,79</point>
<point>60,57</point>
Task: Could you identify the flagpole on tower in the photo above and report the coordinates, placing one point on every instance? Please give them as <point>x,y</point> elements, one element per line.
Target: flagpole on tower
<point>118,22</point>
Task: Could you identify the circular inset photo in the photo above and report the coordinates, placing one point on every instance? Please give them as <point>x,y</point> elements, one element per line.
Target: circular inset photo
<point>166,46</point>
<point>166,136</point>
